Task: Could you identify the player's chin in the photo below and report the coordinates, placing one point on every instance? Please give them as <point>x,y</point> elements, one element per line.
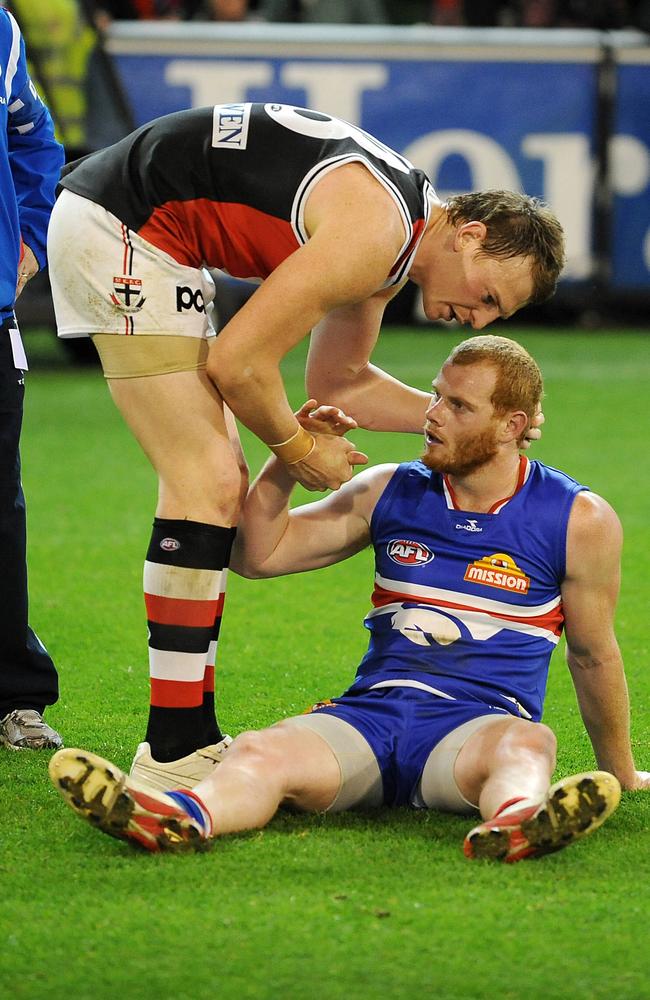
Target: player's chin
<point>433,458</point>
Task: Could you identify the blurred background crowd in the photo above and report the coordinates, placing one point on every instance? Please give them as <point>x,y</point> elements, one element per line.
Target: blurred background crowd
<point>72,68</point>
<point>602,14</point>
<point>64,38</point>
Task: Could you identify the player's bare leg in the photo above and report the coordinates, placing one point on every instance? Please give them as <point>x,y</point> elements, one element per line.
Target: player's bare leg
<point>506,768</point>
<point>283,765</point>
<point>178,419</point>
<point>506,759</point>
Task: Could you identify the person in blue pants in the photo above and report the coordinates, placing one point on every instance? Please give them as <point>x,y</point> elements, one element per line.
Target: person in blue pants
<point>30,165</point>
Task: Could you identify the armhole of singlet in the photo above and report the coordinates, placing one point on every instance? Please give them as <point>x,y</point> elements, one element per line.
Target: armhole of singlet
<point>386,496</point>
<point>316,174</point>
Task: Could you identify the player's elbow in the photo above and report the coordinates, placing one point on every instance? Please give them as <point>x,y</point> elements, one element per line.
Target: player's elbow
<point>247,571</point>
<point>580,659</point>
<point>231,371</point>
<point>246,562</point>
<point>334,388</point>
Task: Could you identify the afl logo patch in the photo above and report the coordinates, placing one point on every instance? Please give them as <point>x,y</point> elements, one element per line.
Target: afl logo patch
<point>170,545</point>
<point>408,553</point>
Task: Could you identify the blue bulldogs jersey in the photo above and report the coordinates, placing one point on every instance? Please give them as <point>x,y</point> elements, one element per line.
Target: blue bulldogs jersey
<point>469,603</point>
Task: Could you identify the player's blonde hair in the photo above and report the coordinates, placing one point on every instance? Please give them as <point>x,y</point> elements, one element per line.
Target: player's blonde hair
<point>519,384</point>
<point>517,226</point>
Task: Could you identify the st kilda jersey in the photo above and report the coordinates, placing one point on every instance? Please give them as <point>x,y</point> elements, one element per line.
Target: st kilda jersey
<point>226,186</point>
<point>469,603</point>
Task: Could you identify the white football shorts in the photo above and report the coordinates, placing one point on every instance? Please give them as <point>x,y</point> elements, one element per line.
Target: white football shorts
<point>106,279</point>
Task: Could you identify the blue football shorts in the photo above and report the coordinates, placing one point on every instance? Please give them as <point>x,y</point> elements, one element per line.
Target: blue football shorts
<point>397,744</point>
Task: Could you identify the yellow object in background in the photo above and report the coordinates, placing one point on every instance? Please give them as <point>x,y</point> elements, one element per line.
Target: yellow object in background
<point>60,42</point>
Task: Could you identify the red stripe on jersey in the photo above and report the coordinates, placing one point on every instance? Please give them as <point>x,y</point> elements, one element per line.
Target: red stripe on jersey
<point>208,679</point>
<point>243,241</point>
<point>176,694</point>
<point>418,226</point>
<point>125,258</point>
<point>496,507</point>
<point>552,621</point>
<point>175,611</point>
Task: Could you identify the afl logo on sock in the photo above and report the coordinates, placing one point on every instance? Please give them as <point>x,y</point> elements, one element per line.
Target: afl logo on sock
<point>170,545</point>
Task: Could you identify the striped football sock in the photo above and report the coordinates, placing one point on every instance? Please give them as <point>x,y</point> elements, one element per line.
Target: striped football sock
<point>514,805</point>
<point>211,729</point>
<point>194,807</point>
<point>183,588</point>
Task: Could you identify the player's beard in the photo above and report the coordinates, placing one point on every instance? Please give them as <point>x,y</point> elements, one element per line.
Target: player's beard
<point>466,456</point>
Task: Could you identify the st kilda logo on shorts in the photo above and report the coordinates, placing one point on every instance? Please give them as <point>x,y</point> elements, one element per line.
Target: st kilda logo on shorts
<point>127,294</point>
<point>405,552</point>
<point>189,298</point>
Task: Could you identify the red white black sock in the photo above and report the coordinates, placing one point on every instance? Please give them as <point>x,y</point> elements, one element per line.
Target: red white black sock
<point>211,729</point>
<point>183,583</point>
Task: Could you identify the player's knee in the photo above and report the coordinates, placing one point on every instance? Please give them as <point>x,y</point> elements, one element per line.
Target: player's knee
<point>212,495</point>
<point>228,495</point>
<point>256,750</point>
<point>531,737</point>
<point>544,740</point>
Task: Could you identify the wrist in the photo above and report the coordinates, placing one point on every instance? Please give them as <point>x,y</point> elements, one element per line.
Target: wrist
<point>296,448</point>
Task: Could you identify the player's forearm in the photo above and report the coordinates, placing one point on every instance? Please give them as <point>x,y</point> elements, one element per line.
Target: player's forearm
<point>375,399</point>
<point>264,520</point>
<point>255,393</point>
<point>602,695</point>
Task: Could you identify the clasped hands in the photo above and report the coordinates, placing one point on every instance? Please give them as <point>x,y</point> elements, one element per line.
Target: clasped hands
<point>332,460</point>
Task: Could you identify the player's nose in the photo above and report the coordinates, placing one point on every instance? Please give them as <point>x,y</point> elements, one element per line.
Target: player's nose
<point>480,318</point>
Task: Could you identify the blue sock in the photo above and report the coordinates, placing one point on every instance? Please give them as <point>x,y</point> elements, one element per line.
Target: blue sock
<point>192,808</point>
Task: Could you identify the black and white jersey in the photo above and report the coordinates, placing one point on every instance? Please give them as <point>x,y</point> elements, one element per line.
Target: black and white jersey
<point>226,186</point>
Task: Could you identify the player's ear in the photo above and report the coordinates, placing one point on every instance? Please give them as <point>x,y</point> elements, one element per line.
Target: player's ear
<point>469,234</point>
<point>513,426</point>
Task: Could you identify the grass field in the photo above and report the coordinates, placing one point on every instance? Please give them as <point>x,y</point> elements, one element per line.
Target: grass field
<point>354,906</point>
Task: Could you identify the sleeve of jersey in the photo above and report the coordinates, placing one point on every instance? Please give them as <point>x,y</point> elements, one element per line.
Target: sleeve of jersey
<point>35,158</point>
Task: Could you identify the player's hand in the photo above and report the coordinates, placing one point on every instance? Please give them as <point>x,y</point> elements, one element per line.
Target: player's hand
<point>534,432</point>
<point>324,419</point>
<point>27,268</point>
<point>329,465</point>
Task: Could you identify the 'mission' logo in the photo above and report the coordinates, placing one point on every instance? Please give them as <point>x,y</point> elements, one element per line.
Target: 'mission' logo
<point>498,570</point>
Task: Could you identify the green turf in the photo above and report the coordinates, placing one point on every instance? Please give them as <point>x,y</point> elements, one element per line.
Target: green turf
<point>354,906</point>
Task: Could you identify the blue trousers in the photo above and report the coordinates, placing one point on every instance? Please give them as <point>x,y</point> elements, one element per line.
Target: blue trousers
<point>28,678</point>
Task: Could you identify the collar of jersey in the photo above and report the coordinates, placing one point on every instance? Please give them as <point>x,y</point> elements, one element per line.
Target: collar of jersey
<point>522,476</point>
